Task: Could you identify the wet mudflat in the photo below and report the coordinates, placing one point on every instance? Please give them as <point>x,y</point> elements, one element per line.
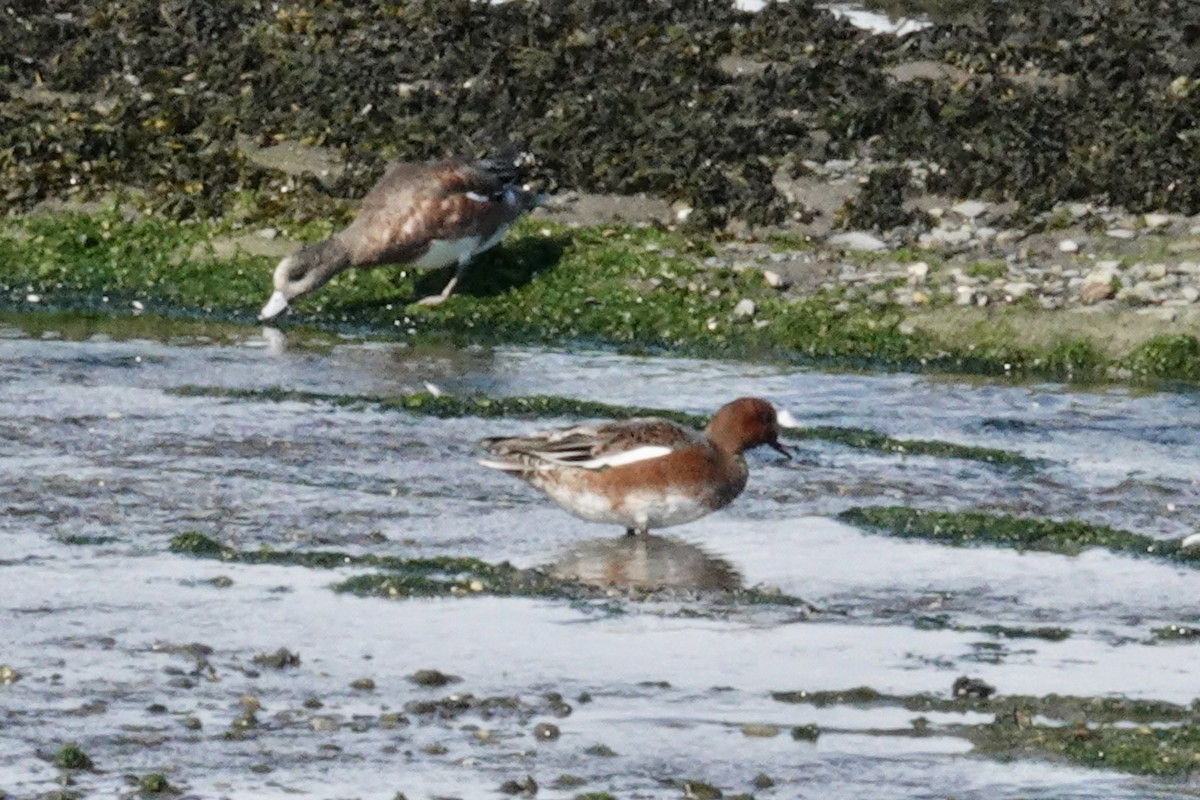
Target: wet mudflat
<point>146,657</point>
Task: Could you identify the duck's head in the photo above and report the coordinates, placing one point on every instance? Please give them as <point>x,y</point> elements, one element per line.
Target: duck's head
<point>303,271</point>
<point>747,423</point>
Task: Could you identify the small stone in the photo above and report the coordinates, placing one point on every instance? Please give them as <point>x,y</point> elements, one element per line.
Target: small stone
<point>432,678</point>
<point>601,751</point>
<point>1191,540</point>
<point>1153,221</point>
<point>964,295</point>
<point>1068,246</point>
<point>323,723</point>
<point>762,781</point>
<point>918,272</point>
<point>526,786</point>
<point>8,675</point>
<point>1155,272</point>
<point>1190,293</point>
<point>268,233</point>
<point>280,659</point>
<point>391,720</point>
<point>1097,286</point>
<point>806,733</point>
<point>1123,234</point>
<point>1018,289</point>
<point>546,732</point>
<point>919,298</point>
<point>699,790</point>
<point>970,209</point>
<point>363,684</point>
<point>1185,245</point>
<point>972,687</point>
<point>745,308</point>
<point>773,279</point>
<point>946,235</point>
<point>33,298</point>
<point>759,731</point>
<point>857,240</point>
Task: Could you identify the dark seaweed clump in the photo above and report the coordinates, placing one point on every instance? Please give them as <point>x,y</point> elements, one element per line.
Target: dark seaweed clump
<point>964,528</point>
<point>1039,101</point>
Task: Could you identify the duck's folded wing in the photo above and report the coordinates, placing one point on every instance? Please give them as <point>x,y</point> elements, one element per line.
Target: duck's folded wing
<point>597,446</point>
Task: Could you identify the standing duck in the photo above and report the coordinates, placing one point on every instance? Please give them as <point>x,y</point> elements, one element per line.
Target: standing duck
<point>642,473</point>
<point>425,216</point>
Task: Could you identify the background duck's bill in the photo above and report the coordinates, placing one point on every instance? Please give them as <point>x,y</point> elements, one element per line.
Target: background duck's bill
<point>274,307</point>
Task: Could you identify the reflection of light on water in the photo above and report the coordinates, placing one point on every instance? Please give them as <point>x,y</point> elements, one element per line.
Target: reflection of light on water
<point>871,21</point>
<point>647,562</point>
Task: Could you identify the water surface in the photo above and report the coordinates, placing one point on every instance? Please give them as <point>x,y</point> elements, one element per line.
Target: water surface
<point>107,634</point>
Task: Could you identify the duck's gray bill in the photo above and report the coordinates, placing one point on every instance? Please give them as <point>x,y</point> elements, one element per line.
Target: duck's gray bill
<point>781,449</point>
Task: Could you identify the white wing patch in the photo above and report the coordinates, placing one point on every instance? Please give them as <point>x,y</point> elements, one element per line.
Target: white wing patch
<point>477,197</point>
<point>644,453</point>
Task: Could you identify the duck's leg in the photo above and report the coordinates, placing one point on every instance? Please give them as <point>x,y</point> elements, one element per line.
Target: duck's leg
<point>438,299</point>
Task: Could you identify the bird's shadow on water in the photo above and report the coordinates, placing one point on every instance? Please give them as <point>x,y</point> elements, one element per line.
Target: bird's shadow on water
<point>511,265</point>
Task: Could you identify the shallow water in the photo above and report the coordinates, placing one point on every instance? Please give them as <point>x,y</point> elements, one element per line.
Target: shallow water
<point>93,443</point>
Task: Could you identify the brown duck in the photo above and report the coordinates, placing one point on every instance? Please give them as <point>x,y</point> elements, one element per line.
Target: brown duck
<point>425,216</point>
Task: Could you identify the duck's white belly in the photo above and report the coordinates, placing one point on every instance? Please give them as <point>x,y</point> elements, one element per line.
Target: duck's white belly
<point>639,510</point>
<point>444,252</point>
<point>447,252</point>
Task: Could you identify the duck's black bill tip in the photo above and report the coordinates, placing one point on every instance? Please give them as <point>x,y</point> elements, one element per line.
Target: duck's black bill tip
<point>777,447</point>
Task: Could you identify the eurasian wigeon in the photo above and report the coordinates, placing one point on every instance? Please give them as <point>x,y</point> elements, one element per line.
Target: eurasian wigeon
<point>425,216</point>
<point>642,473</point>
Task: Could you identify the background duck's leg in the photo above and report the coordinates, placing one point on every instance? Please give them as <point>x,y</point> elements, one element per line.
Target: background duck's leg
<point>438,299</point>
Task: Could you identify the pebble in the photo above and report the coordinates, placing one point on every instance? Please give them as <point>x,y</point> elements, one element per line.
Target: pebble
<point>8,675</point>
<point>1153,221</point>
<point>33,298</point>
<point>858,241</point>
<point>760,731</point>
<point>1155,272</point>
<point>1190,293</point>
<point>1119,233</point>
<point>918,272</point>
<point>546,731</point>
<point>745,308</point>
<point>773,279</point>
<point>1068,246</point>
<point>970,209</point>
<point>1097,286</point>
<point>323,723</point>
<point>1018,289</point>
<point>945,235</point>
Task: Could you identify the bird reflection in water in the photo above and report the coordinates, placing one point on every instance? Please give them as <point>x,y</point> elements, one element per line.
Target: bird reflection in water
<point>645,562</point>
